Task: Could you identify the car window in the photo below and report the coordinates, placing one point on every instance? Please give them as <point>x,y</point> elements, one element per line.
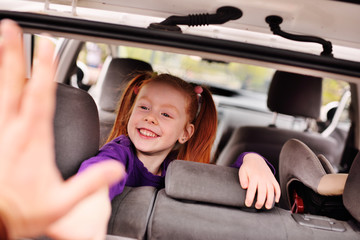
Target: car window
<point>194,68</point>
<point>240,78</point>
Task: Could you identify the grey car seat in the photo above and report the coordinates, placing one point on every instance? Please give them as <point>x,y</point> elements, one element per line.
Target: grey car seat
<point>309,184</point>
<point>76,128</point>
<point>117,74</point>
<point>291,94</point>
<point>131,211</point>
<point>203,201</point>
<point>76,132</point>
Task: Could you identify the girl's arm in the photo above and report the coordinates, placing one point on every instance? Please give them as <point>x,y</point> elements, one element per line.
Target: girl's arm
<point>116,150</point>
<point>256,176</point>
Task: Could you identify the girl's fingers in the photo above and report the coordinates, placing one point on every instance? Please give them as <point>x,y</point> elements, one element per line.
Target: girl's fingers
<point>261,195</point>
<point>250,193</point>
<point>269,197</point>
<point>243,178</point>
<point>277,191</point>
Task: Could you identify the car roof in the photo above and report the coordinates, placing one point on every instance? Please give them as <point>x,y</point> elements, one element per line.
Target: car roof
<point>332,20</point>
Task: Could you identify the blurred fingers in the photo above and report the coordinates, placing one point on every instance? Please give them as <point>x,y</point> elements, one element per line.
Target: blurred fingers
<point>100,175</point>
<point>13,67</point>
<point>39,96</point>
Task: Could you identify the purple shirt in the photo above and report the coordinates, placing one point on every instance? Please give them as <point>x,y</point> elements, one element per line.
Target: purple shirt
<point>121,149</point>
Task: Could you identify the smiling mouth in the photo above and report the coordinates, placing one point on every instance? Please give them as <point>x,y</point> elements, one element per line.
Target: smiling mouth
<point>147,133</point>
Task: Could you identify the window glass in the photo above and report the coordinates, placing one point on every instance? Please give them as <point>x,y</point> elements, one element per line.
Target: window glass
<point>243,79</point>
<point>234,76</point>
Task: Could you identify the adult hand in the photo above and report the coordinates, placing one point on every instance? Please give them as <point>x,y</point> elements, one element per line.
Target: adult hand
<point>256,176</point>
<point>86,221</point>
<point>33,194</point>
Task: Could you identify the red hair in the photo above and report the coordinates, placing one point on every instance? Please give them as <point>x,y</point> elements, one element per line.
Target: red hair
<point>198,147</point>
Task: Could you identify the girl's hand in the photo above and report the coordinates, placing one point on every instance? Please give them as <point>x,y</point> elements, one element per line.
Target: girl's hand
<point>256,176</point>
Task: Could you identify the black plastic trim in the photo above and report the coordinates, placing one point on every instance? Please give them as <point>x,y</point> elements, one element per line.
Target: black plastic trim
<point>183,41</point>
<point>349,1</point>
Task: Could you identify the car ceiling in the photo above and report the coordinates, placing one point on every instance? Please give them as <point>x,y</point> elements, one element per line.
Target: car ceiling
<point>332,20</point>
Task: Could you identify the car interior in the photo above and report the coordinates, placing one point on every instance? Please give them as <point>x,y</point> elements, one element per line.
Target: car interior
<point>198,197</point>
<point>269,100</point>
<point>291,94</point>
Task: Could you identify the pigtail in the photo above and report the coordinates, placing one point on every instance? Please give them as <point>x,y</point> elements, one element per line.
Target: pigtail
<point>198,147</point>
<point>126,105</point>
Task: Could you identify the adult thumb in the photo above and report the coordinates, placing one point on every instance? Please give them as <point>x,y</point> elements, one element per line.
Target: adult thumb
<point>92,179</point>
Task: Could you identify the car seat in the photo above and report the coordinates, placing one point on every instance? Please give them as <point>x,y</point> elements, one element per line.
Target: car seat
<point>291,94</point>
<point>309,184</point>
<point>76,128</point>
<point>130,212</point>
<point>205,201</point>
<point>117,73</point>
<point>76,132</point>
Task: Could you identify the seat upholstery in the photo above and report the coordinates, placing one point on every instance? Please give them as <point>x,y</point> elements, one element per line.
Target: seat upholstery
<point>190,209</point>
<point>118,73</point>
<point>295,94</point>
<point>313,180</point>
<point>201,201</point>
<point>131,212</point>
<point>76,128</point>
<point>204,183</point>
<point>291,94</point>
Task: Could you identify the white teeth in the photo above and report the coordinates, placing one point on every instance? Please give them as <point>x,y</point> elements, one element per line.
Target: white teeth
<point>147,133</point>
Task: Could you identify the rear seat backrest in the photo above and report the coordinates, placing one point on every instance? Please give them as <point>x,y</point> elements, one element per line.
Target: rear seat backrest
<point>204,201</point>
<point>76,128</point>
<point>118,73</point>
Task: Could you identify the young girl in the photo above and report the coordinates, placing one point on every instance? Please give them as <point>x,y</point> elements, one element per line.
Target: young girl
<point>162,118</point>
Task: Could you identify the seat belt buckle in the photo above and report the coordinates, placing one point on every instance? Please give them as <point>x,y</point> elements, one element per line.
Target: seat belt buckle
<point>298,205</point>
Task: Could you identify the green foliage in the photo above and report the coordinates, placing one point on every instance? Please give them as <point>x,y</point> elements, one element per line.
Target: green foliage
<point>229,75</point>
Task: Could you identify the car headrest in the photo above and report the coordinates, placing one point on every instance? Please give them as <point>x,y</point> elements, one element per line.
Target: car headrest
<point>295,94</point>
<point>200,182</point>
<point>76,128</point>
<point>351,195</point>
<point>118,73</point>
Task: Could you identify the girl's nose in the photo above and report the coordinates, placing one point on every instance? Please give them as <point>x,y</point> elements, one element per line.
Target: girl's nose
<point>151,119</point>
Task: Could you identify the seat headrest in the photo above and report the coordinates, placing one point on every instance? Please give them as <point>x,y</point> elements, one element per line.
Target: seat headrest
<point>76,128</point>
<point>118,73</point>
<point>295,94</point>
<point>193,181</point>
<point>351,195</point>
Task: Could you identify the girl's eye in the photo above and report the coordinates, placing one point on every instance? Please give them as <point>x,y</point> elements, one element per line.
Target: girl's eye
<point>166,115</point>
<point>144,107</point>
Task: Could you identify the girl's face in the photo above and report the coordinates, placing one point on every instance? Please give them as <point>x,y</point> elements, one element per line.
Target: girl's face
<point>159,120</point>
